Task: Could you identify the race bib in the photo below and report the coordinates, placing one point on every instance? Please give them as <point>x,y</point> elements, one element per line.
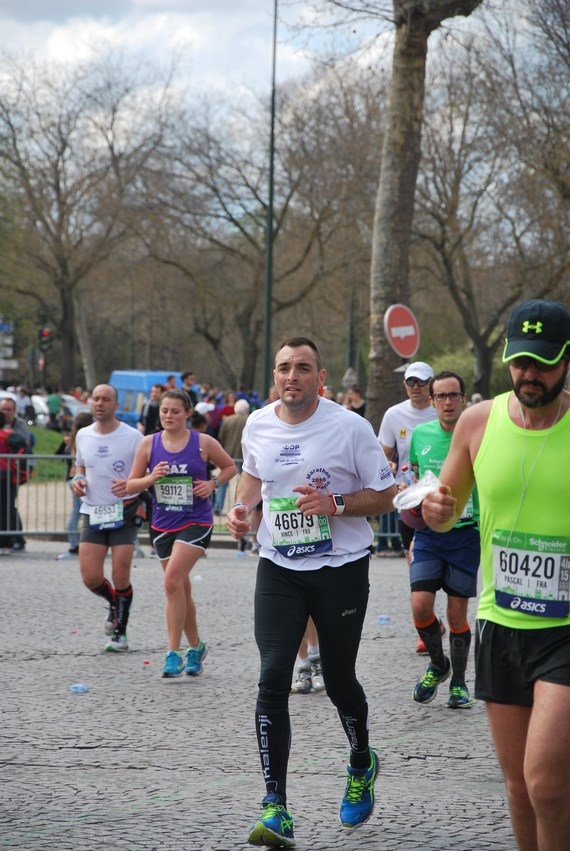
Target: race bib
<point>174,490</point>
<point>295,535</point>
<point>106,516</point>
<point>532,573</point>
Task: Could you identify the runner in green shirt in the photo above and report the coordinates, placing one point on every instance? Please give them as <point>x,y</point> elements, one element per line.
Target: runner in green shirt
<point>444,561</point>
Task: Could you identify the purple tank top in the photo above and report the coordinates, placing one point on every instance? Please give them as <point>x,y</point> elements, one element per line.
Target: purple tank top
<point>174,506</point>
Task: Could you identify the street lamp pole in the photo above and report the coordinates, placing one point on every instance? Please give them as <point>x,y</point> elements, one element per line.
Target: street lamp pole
<point>267,348</point>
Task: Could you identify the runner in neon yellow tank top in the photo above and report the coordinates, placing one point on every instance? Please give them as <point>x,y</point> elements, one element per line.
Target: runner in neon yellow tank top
<point>517,449</point>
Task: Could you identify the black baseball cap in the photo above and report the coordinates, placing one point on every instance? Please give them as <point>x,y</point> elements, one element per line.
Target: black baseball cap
<point>538,329</point>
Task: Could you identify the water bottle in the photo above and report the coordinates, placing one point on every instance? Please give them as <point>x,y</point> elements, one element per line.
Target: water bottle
<point>79,688</point>
<point>408,475</point>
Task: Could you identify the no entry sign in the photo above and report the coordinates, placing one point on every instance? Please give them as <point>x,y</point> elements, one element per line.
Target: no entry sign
<point>402,330</point>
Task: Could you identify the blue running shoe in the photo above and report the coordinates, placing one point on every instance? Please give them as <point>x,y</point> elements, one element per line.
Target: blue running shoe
<point>173,664</point>
<point>275,827</point>
<point>194,658</point>
<point>459,697</point>
<point>358,802</point>
<point>426,689</point>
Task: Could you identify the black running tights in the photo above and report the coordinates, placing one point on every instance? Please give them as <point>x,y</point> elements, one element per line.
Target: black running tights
<point>336,598</point>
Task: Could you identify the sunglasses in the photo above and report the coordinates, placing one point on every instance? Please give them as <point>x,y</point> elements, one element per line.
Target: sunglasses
<point>524,362</point>
<point>421,382</point>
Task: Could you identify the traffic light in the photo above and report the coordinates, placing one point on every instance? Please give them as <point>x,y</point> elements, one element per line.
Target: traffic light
<point>46,337</point>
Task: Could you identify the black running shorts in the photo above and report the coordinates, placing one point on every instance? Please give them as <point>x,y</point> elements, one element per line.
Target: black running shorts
<point>509,661</point>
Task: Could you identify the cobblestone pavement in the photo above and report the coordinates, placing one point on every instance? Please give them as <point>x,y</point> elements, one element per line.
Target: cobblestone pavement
<point>147,764</point>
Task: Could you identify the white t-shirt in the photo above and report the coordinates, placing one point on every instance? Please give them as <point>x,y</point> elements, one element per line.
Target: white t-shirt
<point>336,451</point>
<point>396,430</point>
<point>105,457</point>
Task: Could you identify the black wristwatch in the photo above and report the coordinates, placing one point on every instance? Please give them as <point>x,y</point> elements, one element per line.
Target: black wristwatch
<point>339,504</point>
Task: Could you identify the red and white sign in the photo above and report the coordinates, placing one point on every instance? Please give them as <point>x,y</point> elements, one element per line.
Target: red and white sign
<point>402,330</point>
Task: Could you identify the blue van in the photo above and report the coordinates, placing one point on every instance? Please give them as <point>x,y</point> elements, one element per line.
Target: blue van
<point>133,387</point>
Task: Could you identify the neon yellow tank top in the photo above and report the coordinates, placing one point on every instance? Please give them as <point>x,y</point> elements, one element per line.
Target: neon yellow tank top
<point>523,480</point>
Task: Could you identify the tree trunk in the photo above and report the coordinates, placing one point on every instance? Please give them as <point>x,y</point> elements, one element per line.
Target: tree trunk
<point>395,199</point>
<point>394,211</point>
<point>68,338</point>
<point>84,339</point>
<point>482,367</point>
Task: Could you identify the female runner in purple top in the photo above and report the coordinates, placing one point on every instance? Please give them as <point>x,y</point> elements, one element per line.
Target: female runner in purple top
<point>174,463</point>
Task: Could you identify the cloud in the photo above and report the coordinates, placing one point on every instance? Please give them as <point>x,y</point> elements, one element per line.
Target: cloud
<point>227,43</point>
<point>58,11</point>
<point>221,45</point>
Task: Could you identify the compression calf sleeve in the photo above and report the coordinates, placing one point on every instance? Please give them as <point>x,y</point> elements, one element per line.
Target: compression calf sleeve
<point>459,644</point>
<point>124,599</point>
<point>273,731</point>
<point>431,636</point>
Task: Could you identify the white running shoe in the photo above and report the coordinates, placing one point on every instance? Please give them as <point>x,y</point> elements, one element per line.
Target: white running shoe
<point>302,684</point>
<point>117,644</point>
<point>317,674</point>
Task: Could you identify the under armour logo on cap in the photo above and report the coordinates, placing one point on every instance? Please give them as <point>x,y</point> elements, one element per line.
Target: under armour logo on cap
<point>527,326</point>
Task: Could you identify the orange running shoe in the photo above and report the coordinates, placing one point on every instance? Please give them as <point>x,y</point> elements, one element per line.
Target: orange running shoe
<point>421,648</point>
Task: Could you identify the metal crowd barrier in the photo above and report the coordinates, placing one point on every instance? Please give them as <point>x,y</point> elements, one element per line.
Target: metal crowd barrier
<point>386,528</point>
<point>44,502</point>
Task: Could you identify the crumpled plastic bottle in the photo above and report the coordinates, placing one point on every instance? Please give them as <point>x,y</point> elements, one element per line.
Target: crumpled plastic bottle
<point>412,496</point>
<point>79,688</point>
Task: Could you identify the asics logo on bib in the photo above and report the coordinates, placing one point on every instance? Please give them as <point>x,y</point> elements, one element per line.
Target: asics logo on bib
<point>301,550</point>
<point>528,606</point>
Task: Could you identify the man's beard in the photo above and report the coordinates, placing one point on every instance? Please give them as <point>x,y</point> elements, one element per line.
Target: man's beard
<point>547,397</point>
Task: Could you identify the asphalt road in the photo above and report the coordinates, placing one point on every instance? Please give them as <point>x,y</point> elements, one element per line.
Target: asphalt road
<point>147,764</point>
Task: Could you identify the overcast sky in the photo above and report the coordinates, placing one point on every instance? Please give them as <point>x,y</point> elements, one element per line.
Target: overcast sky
<point>228,41</point>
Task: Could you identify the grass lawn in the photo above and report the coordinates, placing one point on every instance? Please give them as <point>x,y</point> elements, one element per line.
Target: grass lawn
<point>47,443</point>
<point>47,440</point>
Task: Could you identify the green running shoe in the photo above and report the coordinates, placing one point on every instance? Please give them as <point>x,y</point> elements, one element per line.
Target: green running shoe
<point>275,827</point>
<point>459,697</point>
<point>426,688</point>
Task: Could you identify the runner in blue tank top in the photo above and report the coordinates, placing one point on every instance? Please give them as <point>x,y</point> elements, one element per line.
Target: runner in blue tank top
<point>174,463</point>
